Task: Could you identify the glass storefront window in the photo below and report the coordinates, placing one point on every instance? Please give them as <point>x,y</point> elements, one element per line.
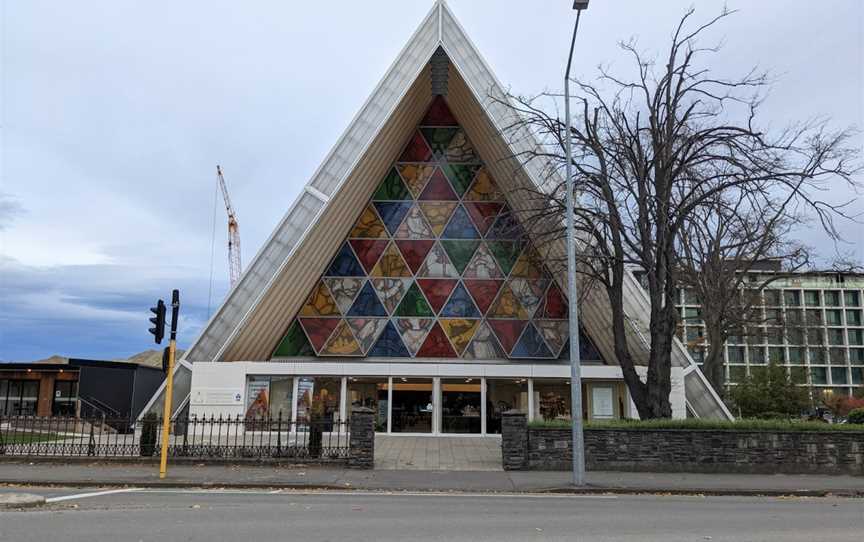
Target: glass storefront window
<point>65,395</point>
<point>4,396</point>
<point>460,405</point>
<point>318,398</point>
<point>369,392</point>
<point>551,399</point>
<point>19,397</point>
<point>503,395</point>
<point>412,405</point>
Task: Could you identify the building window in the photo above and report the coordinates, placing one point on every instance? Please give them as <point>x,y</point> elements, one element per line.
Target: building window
<point>852,298</point>
<point>776,355</point>
<point>856,356</point>
<point>773,317</point>
<point>835,336</point>
<point>795,316</point>
<point>837,356</point>
<point>318,398</point>
<point>369,393</point>
<point>755,335</point>
<point>551,399</point>
<point>814,317</point>
<point>19,397</point>
<point>65,397</point>
<point>695,334</point>
<point>757,355</point>
<point>811,298</point>
<point>796,355</point>
<point>774,335</point>
<point>461,406</point>
<point>817,356</point>
<point>795,335</point>
<point>839,376</point>
<point>816,336</point>
<point>269,397</point>
<point>832,298</point>
<point>798,375</point>
<point>792,298</point>
<point>856,337</point>
<point>857,375</point>
<point>819,375</point>
<point>412,405</point>
<point>503,395</point>
<point>772,298</point>
<point>735,354</point>
<point>834,317</point>
<point>853,317</point>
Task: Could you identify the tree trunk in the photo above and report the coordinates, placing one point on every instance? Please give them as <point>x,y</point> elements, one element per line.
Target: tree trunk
<point>713,366</point>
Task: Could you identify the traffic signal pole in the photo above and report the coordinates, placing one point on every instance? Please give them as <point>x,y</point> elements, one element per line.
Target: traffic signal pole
<point>169,385</point>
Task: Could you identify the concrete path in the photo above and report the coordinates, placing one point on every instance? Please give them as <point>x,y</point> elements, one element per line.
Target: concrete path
<point>396,452</point>
<point>293,477</point>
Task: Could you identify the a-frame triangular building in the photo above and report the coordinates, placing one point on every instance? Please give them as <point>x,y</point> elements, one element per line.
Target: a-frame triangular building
<point>404,259</point>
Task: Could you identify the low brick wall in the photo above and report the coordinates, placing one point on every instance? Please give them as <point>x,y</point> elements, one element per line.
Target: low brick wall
<point>361,439</point>
<point>664,450</point>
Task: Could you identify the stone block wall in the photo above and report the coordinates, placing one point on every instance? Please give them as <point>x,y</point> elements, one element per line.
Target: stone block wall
<point>361,439</point>
<point>665,450</point>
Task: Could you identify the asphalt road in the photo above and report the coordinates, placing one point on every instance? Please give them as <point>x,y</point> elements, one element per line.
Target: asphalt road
<point>259,516</point>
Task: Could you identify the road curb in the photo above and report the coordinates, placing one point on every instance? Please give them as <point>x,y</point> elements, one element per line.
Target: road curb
<point>587,490</point>
<point>12,501</point>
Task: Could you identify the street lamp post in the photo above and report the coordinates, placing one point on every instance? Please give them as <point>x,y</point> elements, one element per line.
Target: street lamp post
<point>575,362</point>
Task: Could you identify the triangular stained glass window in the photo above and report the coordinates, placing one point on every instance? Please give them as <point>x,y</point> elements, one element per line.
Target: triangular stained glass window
<point>460,305</point>
<point>320,302</point>
<point>484,345</point>
<point>318,330</point>
<point>368,251</point>
<point>460,252</point>
<point>416,176</point>
<point>439,114</point>
<point>438,213</point>
<point>414,304</point>
<point>345,264</point>
<point>483,265</point>
<point>439,138</point>
<point>344,291</point>
<point>507,305</point>
<point>414,226</point>
<point>483,292</point>
<point>389,344</point>
<point>460,175</point>
<point>438,265</point>
<point>459,331</point>
<point>556,303</point>
<point>392,213</point>
<point>460,226</point>
<point>414,331</point>
<point>366,330</point>
<point>506,253</point>
<point>507,332</point>
<point>390,291</point>
<point>437,291</point>
<point>436,345</point>
<point>391,188</point>
<point>368,226</point>
<point>531,345</point>
<point>460,149</point>
<point>484,188</point>
<point>417,150</point>
<point>367,303</point>
<point>391,264</point>
<point>483,213</point>
<point>294,344</point>
<point>438,189</point>
<point>342,342</point>
<point>414,252</point>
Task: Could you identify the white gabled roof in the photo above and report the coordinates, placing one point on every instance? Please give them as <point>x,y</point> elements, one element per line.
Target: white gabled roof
<point>257,310</point>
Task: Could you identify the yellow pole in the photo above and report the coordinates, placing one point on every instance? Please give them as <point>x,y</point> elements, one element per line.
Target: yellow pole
<point>166,412</point>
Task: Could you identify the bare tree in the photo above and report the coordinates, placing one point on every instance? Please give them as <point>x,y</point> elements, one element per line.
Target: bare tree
<point>654,154</point>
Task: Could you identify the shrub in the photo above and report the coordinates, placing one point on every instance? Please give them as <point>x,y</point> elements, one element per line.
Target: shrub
<point>770,390</point>
<point>856,416</point>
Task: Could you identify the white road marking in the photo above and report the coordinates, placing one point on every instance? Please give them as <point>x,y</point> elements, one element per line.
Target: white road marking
<point>87,495</point>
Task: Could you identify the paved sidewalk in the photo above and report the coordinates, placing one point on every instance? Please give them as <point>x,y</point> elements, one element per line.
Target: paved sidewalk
<point>293,477</point>
<point>474,453</point>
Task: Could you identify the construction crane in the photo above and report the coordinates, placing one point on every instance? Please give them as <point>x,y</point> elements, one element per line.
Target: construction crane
<point>234,265</point>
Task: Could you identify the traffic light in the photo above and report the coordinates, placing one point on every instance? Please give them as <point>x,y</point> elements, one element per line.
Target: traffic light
<point>165,361</point>
<point>158,321</point>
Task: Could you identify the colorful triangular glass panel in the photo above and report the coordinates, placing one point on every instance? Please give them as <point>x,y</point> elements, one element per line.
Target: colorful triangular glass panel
<point>414,331</point>
<point>342,343</point>
<point>415,176</point>
<point>483,292</point>
<point>459,331</point>
<point>438,265</point>
<point>391,188</point>
<point>414,304</point>
<point>460,175</point>
<point>531,345</point>
<point>460,149</point>
<point>436,345</point>
<point>414,251</point>
<point>294,344</point>
<point>320,302</point>
<point>368,226</point>
<point>484,188</point>
<point>392,213</point>
<point>506,253</point>
<point>507,306</point>
<point>417,150</point>
<point>391,264</point>
<point>438,188</point>
<point>344,291</point>
<point>529,265</point>
<point>529,293</point>
<point>437,291</point>
<point>437,213</point>
<point>484,345</point>
<point>389,344</point>
<point>368,251</point>
<point>367,303</point>
<point>506,226</point>
<point>507,332</point>
<point>460,305</point>
<point>439,138</point>
<point>483,265</point>
<point>390,291</point>
<point>345,264</point>
<point>460,252</point>
<point>414,226</point>
<point>460,226</point>
<point>483,213</point>
<point>318,330</point>
<point>439,114</point>
<point>556,303</point>
<point>366,331</point>
<point>555,334</point>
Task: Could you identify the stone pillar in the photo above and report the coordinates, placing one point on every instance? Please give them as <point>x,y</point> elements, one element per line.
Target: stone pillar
<point>514,440</point>
<point>361,440</point>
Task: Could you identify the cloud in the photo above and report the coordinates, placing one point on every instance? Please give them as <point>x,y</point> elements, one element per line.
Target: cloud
<point>10,208</point>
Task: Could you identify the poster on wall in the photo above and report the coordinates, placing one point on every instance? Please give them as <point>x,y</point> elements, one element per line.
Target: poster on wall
<point>257,398</point>
<point>602,402</point>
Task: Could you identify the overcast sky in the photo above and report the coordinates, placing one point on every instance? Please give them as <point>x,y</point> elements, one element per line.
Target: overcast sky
<point>115,114</point>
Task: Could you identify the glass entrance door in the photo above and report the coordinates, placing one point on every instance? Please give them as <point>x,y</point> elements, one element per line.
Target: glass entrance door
<point>461,406</point>
<point>412,405</point>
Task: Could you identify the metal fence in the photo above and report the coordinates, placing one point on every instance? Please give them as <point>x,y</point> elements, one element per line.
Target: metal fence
<point>193,437</point>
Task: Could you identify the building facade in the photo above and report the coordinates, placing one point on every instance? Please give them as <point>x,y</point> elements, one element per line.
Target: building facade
<point>811,323</point>
<point>402,279</point>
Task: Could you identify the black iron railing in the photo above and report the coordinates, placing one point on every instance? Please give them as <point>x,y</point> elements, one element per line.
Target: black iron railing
<point>194,437</point>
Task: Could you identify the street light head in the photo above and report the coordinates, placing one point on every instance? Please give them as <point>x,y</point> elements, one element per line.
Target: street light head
<point>579,5</point>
